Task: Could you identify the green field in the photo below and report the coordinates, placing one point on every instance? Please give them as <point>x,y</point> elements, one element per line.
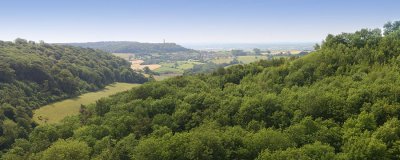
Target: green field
<point>249,59</point>
<point>185,66</point>
<point>178,67</point>
<point>167,70</point>
<point>222,60</point>
<point>55,112</point>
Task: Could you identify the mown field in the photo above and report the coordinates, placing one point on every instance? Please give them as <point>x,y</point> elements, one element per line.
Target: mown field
<point>178,67</point>
<point>137,65</point>
<point>249,59</point>
<point>222,60</point>
<point>55,112</point>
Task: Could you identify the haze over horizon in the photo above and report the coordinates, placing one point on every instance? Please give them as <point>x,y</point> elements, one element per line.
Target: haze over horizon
<point>179,21</point>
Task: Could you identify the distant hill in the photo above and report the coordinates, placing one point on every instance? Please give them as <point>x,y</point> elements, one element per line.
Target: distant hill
<point>132,47</point>
<point>250,46</point>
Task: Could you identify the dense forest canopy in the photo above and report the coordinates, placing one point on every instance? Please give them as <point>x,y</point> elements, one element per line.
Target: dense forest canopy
<point>132,47</point>
<point>339,102</point>
<point>33,74</point>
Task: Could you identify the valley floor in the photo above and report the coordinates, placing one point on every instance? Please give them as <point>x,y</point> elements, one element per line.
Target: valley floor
<point>57,111</point>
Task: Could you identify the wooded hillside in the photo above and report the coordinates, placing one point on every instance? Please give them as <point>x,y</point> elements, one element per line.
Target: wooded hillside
<point>339,102</point>
<point>33,74</point>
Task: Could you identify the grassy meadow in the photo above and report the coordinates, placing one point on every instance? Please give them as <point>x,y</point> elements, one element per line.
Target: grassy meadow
<point>55,112</point>
<point>222,60</point>
<point>249,59</point>
<point>179,67</point>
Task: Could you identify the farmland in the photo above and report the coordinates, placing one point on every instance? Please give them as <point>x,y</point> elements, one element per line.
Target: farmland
<point>177,67</point>
<point>137,65</point>
<point>55,112</point>
<point>249,59</point>
<point>165,65</point>
<point>222,60</point>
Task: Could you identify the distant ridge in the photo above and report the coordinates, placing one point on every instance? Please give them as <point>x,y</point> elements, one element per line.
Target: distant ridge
<point>131,47</point>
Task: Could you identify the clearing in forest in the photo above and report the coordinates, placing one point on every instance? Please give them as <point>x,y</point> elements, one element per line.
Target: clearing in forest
<point>55,112</point>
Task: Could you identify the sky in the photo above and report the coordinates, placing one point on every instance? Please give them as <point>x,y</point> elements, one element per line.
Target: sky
<point>190,21</point>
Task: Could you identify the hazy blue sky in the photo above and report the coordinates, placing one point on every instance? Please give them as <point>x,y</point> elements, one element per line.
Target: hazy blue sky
<point>185,21</point>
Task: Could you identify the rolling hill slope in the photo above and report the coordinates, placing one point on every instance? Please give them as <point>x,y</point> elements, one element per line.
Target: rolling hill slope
<point>34,74</point>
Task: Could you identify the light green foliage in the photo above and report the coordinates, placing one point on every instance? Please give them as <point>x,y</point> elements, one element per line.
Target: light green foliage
<point>364,147</point>
<point>315,151</point>
<point>66,150</point>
